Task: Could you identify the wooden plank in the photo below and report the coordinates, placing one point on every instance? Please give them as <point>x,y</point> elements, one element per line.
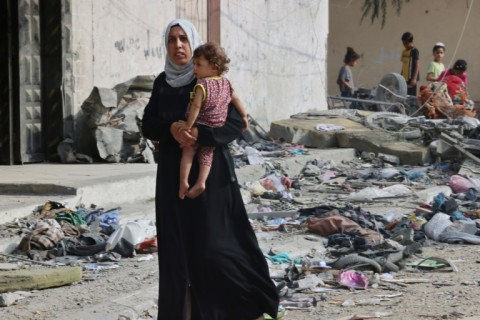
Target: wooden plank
<point>32,279</point>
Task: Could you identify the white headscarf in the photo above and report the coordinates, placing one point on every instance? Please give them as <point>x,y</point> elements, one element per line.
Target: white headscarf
<point>178,76</point>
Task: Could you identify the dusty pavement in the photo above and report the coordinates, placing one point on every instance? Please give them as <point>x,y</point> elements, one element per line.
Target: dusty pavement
<point>440,295</point>
<point>128,291</point>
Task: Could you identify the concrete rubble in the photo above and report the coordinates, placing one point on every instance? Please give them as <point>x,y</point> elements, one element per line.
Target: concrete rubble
<point>364,191</point>
<point>301,191</point>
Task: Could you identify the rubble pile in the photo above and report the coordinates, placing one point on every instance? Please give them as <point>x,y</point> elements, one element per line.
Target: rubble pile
<point>112,120</point>
<point>369,219</point>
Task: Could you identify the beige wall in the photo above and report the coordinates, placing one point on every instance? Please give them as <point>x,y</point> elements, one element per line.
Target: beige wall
<point>277,48</point>
<point>430,21</point>
<point>278,53</point>
<point>105,43</point>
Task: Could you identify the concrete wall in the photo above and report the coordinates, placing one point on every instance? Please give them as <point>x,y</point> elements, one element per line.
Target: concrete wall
<point>430,21</point>
<point>110,42</point>
<point>277,48</point>
<point>278,53</point>
<point>106,43</point>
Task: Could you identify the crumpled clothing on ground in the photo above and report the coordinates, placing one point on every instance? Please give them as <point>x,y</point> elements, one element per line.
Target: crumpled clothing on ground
<point>447,99</point>
<point>335,223</point>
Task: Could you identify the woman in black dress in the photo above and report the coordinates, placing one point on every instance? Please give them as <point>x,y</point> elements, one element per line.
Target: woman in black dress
<point>211,267</point>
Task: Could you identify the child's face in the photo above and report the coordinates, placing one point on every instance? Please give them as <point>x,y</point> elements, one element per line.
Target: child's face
<point>407,44</point>
<point>203,69</point>
<point>353,63</point>
<point>438,54</point>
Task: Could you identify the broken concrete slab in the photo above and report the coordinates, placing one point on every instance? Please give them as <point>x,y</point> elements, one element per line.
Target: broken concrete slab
<point>354,135</point>
<point>380,142</point>
<point>302,131</point>
<point>99,106</point>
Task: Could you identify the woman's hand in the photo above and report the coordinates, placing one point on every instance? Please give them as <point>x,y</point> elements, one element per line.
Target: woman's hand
<point>183,137</point>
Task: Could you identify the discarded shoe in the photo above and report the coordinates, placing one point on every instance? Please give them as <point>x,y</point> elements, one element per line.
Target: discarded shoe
<point>433,263</point>
<point>281,313</point>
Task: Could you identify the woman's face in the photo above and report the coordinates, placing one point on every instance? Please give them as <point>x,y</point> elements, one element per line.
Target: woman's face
<point>178,48</point>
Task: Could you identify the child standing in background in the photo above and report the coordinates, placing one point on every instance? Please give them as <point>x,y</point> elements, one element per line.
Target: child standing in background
<point>410,63</point>
<point>208,106</point>
<point>436,67</point>
<point>345,77</point>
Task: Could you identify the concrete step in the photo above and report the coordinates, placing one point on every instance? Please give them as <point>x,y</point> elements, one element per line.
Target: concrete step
<point>23,188</point>
<point>354,135</point>
<point>131,187</point>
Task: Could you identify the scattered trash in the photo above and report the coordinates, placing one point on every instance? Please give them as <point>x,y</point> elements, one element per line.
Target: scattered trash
<point>127,237</point>
<point>308,282</point>
<point>323,202</point>
<point>99,266</point>
<point>353,279</point>
<point>433,263</point>
<point>147,257</point>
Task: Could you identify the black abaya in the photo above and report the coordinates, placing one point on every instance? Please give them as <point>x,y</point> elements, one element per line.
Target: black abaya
<point>206,244</point>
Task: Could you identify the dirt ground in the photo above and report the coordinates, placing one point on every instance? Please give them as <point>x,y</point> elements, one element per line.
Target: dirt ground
<point>410,294</point>
<point>438,294</point>
<point>130,290</point>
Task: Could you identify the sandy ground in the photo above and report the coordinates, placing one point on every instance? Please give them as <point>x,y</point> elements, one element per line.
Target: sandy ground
<point>412,294</point>
<point>130,291</point>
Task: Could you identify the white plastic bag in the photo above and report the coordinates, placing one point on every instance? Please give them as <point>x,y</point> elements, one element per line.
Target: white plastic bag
<point>125,239</point>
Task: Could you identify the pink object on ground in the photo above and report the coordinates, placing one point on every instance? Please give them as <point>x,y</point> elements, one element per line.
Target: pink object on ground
<point>353,279</point>
<point>460,184</point>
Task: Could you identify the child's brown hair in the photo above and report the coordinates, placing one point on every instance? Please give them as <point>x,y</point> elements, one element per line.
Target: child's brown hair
<point>214,54</point>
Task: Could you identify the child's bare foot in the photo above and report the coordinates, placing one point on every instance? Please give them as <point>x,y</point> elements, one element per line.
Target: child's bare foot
<point>183,190</point>
<point>196,190</point>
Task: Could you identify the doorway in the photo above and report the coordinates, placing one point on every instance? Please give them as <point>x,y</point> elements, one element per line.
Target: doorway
<point>31,109</point>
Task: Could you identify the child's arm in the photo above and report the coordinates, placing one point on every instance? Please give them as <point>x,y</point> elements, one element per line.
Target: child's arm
<point>343,80</point>
<point>194,110</point>
<point>347,84</point>
<point>430,77</point>
<point>413,80</point>
<point>241,110</point>
<point>430,73</point>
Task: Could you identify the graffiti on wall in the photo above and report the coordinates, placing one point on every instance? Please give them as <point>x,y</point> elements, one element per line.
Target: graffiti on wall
<point>152,51</point>
<point>125,45</point>
<point>128,44</point>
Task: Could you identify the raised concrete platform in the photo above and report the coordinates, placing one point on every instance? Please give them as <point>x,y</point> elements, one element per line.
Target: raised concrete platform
<point>129,186</point>
<point>354,135</point>
<point>24,187</point>
<point>302,131</point>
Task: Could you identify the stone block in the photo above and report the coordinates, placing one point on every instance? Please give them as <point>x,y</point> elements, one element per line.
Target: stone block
<point>380,142</point>
<point>302,131</point>
<point>354,135</point>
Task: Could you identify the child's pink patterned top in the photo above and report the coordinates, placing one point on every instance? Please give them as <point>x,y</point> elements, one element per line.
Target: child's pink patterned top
<point>218,91</point>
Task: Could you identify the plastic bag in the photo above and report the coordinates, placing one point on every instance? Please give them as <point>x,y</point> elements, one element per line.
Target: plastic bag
<point>127,237</point>
<point>460,184</point>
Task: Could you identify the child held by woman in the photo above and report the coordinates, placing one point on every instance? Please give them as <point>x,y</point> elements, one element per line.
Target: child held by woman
<point>208,106</point>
